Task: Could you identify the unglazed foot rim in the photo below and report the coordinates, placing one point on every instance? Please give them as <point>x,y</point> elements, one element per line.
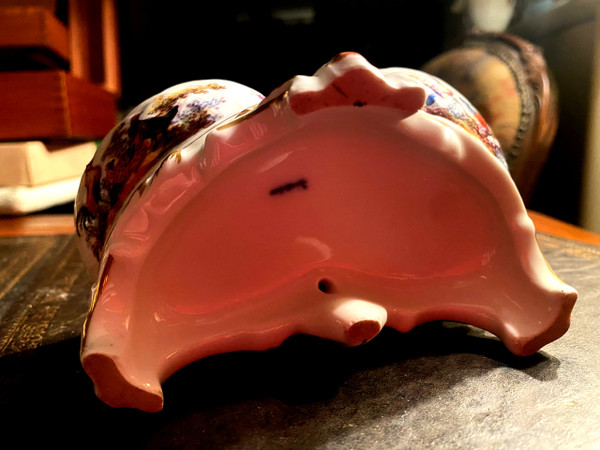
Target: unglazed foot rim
<point>557,329</point>
<point>113,388</point>
<point>363,331</point>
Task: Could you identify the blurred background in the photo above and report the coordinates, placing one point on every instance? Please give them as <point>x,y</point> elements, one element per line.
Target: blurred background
<point>262,44</point>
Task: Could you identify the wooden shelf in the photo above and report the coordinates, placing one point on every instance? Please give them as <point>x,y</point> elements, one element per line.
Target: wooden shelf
<point>58,81</point>
<point>94,43</point>
<point>34,32</point>
<point>32,37</point>
<point>53,104</point>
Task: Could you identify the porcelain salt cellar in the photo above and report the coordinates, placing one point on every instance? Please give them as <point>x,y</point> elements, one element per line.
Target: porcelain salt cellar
<point>215,220</point>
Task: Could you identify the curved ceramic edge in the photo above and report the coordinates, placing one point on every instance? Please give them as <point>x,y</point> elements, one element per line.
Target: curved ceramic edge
<point>166,123</point>
<point>141,328</point>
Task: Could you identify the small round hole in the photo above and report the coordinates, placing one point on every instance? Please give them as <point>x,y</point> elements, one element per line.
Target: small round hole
<point>325,286</point>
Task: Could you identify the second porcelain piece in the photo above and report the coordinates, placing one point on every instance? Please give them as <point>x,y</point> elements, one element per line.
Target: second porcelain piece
<point>218,221</point>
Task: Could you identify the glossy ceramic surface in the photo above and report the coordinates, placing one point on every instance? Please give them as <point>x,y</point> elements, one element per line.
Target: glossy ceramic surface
<point>132,151</point>
<point>341,203</point>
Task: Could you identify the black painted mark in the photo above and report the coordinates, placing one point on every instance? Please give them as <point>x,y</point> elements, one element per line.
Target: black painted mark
<point>359,103</point>
<point>301,183</point>
<point>339,89</point>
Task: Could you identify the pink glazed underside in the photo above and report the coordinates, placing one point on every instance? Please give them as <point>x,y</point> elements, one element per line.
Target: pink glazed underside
<point>317,214</point>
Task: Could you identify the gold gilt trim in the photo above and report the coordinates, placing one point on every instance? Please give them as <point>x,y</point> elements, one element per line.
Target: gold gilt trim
<point>253,111</point>
<point>97,290</point>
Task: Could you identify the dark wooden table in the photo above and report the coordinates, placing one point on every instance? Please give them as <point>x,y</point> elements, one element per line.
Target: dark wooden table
<point>442,385</point>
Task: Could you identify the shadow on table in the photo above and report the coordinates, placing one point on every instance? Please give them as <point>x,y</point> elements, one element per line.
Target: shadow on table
<point>300,395</point>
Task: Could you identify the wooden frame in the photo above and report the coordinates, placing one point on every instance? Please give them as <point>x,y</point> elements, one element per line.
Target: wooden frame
<point>93,30</point>
<point>89,45</point>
